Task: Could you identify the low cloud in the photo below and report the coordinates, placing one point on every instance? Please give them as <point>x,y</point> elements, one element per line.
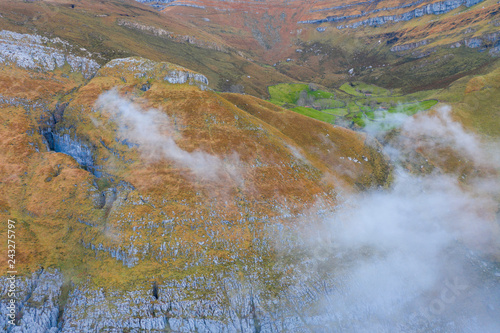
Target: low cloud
<point>152,131</point>
<point>385,121</point>
<point>435,130</point>
<point>439,130</point>
<point>419,256</point>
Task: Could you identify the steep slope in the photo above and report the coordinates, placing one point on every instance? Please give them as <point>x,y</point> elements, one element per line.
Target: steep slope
<point>475,101</point>
<point>243,46</point>
<point>382,42</point>
<point>157,182</point>
<point>116,29</point>
<point>147,200</point>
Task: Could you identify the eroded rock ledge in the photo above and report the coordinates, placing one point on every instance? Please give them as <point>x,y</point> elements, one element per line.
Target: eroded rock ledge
<point>35,52</point>
<point>437,8</point>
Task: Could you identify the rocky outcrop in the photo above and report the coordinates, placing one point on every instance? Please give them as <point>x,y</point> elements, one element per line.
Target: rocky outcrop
<point>61,142</point>
<point>406,47</point>
<point>144,68</point>
<point>128,256</point>
<point>473,43</point>
<point>155,1</point>
<point>239,307</point>
<point>343,6</point>
<point>37,303</point>
<point>32,52</point>
<point>82,153</point>
<point>231,303</point>
<point>172,36</point>
<point>185,5</point>
<point>486,42</point>
<point>170,3</point>
<point>25,103</point>
<point>436,8</point>
<point>180,77</point>
<point>495,51</point>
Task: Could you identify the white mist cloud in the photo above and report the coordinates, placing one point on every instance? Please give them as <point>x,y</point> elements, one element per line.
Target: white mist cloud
<point>434,130</point>
<point>152,131</point>
<point>398,250</point>
<point>412,258</point>
<point>385,121</point>
<point>438,129</point>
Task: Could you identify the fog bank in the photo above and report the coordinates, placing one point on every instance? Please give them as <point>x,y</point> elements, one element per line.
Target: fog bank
<point>417,257</point>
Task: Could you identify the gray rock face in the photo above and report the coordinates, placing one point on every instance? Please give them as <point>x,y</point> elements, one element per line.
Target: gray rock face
<point>235,309</point>
<point>473,43</point>
<point>495,50</point>
<point>180,77</point>
<point>240,300</point>
<point>25,103</point>
<point>436,8</point>
<point>488,41</point>
<point>63,143</point>
<point>162,33</point>
<point>155,1</point>
<point>127,256</point>
<point>37,303</point>
<point>146,68</point>
<point>311,304</point>
<point>30,52</point>
<point>493,39</point>
<point>406,47</point>
<point>169,3</point>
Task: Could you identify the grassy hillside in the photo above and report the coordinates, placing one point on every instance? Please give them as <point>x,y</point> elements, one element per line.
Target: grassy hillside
<point>353,105</point>
<point>76,219</point>
<point>476,101</point>
<point>123,28</point>
<point>151,211</point>
<point>242,51</point>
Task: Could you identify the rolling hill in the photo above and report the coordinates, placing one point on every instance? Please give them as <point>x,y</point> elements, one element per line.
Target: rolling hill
<point>250,166</point>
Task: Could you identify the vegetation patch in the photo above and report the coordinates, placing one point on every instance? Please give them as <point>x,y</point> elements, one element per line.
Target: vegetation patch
<point>326,117</point>
<point>353,105</point>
